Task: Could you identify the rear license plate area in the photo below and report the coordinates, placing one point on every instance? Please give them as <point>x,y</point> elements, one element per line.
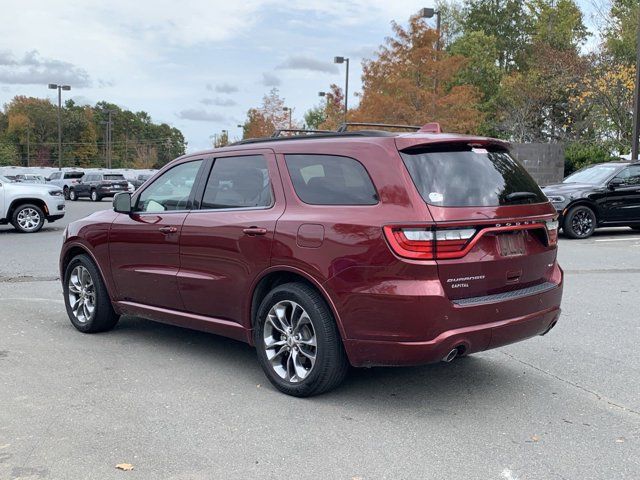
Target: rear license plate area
<point>511,244</point>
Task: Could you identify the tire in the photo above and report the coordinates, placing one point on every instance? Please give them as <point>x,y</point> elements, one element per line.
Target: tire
<point>65,192</point>
<point>580,222</point>
<point>94,196</point>
<point>93,293</point>
<point>28,218</point>
<point>73,196</point>
<point>331,364</point>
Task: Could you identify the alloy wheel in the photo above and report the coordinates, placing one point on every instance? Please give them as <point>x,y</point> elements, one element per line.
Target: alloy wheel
<point>28,219</point>
<point>82,294</point>
<point>290,341</point>
<point>582,223</point>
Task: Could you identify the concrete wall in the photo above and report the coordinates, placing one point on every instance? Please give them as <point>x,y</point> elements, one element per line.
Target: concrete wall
<point>544,161</point>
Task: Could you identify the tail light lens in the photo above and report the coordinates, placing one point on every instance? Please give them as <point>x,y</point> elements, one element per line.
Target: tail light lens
<point>427,244</point>
<point>552,231</point>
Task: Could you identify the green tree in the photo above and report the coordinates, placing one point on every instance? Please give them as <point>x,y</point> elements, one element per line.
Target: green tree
<point>620,33</point>
<point>9,155</point>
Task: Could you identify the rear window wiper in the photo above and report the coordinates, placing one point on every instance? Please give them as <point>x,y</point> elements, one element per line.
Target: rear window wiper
<point>520,196</point>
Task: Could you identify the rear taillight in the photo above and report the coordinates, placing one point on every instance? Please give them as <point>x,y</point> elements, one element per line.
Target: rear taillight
<point>552,231</point>
<point>428,244</point>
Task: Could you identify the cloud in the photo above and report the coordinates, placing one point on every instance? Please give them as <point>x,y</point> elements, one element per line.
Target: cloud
<point>270,80</point>
<point>200,115</point>
<point>219,102</point>
<point>33,69</point>
<point>222,88</point>
<point>299,62</point>
<point>82,100</point>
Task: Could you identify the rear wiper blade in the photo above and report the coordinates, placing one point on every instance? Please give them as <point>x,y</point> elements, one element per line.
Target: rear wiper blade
<point>520,196</point>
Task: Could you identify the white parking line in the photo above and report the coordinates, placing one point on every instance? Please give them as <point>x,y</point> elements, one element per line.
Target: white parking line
<point>627,239</point>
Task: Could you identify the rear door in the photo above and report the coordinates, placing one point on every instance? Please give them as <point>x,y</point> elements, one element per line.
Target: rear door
<point>226,243</point>
<point>490,234</point>
<point>144,246</point>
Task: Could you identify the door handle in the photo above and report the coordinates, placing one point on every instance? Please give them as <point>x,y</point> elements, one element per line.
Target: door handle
<point>251,231</point>
<point>168,229</point>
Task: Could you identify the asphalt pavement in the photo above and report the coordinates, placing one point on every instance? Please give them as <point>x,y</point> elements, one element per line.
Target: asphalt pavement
<point>178,404</point>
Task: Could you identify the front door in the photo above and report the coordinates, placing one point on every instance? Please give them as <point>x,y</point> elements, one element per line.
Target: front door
<point>226,244</point>
<point>144,246</point>
<point>623,200</point>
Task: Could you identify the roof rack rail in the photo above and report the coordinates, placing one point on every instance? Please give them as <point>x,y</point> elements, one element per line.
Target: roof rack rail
<point>345,126</point>
<point>280,131</point>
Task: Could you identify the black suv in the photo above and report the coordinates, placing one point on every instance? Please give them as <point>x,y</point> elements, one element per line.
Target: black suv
<point>601,195</point>
<point>96,186</point>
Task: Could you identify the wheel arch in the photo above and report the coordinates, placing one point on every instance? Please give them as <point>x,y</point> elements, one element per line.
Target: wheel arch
<point>582,202</point>
<point>24,201</point>
<point>276,276</point>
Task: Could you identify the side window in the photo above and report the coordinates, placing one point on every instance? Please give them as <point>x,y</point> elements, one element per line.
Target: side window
<point>630,175</point>
<point>170,191</point>
<point>54,176</point>
<point>238,182</point>
<point>330,180</point>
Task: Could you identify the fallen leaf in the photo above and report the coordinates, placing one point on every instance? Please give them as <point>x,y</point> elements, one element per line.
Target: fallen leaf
<point>127,467</point>
<point>535,438</point>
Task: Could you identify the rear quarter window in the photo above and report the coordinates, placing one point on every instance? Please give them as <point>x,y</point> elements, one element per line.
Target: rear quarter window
<point>462,176</point>
<point>330,180</point>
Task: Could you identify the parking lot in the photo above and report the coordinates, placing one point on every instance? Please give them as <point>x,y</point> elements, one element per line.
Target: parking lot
<point>178,404</point>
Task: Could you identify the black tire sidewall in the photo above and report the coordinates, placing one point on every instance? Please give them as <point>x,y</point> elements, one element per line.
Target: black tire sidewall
<point>321,319</point>
<point>14,218</point>
<point>567,227</point>
<point>104,315</point>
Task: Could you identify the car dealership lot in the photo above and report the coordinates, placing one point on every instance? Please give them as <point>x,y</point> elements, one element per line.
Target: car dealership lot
<point>178,404</point>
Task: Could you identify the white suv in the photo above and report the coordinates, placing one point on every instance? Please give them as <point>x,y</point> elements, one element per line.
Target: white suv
<point>26,206</point>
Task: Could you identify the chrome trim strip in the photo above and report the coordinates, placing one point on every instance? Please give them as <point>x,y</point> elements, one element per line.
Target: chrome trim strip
<point>499,297</point>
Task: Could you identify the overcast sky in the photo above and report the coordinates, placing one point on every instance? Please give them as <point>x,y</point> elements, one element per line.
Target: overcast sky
<point>194,64</point>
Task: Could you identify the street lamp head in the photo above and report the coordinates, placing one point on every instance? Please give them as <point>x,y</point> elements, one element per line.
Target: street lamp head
<point>286,109</point>
<point>240,126</point>
<point>338,59</point>
<point>66,87</point>
<point>53,86</point>
<point>322,94</point>
<point>426,12</point>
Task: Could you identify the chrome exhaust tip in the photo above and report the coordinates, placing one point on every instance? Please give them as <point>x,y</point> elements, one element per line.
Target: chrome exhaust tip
<point>451,355</point>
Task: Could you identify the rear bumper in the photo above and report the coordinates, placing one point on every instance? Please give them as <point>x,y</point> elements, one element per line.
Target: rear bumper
<point>471,339</point>
<point>473,328</point>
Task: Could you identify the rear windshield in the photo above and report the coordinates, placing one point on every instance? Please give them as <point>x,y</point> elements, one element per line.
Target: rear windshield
<point>114,177</point>
<point>74,175</point>
<point>462,176</point>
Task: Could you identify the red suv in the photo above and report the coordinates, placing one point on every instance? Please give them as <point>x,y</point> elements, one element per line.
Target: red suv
<point>323,251</point>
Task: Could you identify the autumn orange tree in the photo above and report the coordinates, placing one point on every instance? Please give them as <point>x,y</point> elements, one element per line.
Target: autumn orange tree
<point>268,117</point>
<point>410,82</point>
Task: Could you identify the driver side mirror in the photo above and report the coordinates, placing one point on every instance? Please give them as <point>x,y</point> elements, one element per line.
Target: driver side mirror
<point>615,183</point>
<point>122,203</point>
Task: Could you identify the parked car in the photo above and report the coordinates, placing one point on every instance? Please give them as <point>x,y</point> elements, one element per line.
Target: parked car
<point>30,178</point>
<point>65,180</point>
<point>27,206</point>
<point>601,195</point>
<point>362,248</point>
<point>141,178</point>
<point>96,186</point>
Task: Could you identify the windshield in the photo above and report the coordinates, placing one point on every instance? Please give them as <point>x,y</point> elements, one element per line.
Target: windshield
<point>5,179</point>
<point>461,176</point>
<point>594,175</point>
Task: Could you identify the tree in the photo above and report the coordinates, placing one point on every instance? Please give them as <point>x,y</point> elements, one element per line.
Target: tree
<point>508,21</point>
<point>558,24</point>
<point>9,155</point>
<point>221,140</point>
<point>411,83</point>
<point>266,119</point>
<point>620,35</point>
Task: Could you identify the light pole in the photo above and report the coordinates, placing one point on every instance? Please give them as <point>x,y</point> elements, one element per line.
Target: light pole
<point>290,110</point>
<point>54,86</point>
<point>429,13</point>
<point>346,83</point>
<point>636,103</point>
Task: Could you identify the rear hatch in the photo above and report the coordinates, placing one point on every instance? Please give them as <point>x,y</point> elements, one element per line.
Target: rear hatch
<point>493,229</point>
<point>116,182</point>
